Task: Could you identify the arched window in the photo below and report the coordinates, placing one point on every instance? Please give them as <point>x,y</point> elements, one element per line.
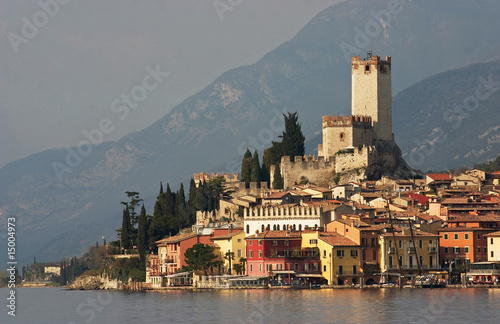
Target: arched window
<point>274,227</point>
<point>300,227</point>
<point>278,227</point>
<point>248,229</point>
<point>262,227</point>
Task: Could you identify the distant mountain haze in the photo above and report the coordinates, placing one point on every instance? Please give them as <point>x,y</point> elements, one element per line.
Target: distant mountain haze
<point>242,108</point>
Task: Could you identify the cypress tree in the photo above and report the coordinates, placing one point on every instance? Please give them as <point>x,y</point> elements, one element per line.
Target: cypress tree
<point>125,235</point>
<point>292,143</point>
<point>255,171</point>
<point>142,236</point>
<point>191,202</point>
<point>278,180</point>
<point>246,168</point>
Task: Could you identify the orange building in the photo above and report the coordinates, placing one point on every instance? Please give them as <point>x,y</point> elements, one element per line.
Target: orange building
<point>459,245</point>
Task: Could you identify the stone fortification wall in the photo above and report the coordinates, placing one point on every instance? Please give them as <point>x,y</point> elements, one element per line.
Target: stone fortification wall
<point>318,171</point>
<point>359,157</point>
<point>205,177</point>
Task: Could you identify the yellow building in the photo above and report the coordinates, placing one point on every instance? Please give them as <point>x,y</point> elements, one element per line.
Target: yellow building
<point>493,246</point>
<point>232,242</point>
<point>420,252</point>
<point>340,256</point>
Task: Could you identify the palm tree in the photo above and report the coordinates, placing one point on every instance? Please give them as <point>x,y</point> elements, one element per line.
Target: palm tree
<point>229,256</point>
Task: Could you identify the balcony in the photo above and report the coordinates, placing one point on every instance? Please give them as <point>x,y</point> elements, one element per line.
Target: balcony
<point>170,261</point>
<point>410,250</point>
<point>392,250</point>
<point>348,273</point>
<point>432,249</point>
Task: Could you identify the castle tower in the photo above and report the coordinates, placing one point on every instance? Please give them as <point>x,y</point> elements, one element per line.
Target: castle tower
<point>371,93</point>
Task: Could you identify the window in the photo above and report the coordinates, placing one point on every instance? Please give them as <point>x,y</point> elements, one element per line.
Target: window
<point>456,249</point>
<point>324,268</point>
<point>251,267</point>
<point>446,250</point>
<point>466,236</point>
<point>374,254</point>
<point>478,236</point>
<point>259,242</point>
<point>492,254</point>
<point>354,269</point>
<point>260,253</point>
<point>340,253</point>
<point>466,249</point>
<point>313,241</point>
<point>354,253</point>
<point>324,253</point>
<point>485,250</point>
<point>279,266</point>
<point>315,267</point>
<point>250,253</point>
<point>342,136</point>
<point>248,229</point>
<point>478,249</point>
<point>250,243</point>
<point>262,228</point>
<point>491,240</point>
<point>239,253</point>
<point>296,267</point>
<point>275,242</point>
<point>306,266</point>
<point>340,270</point>
<point>456,236</point>
<point>445,236</point>
<point>400,244</point>
<point>260,267</point>
<point>420,244</point>
<point>286,242</point>
<point>367,68</point>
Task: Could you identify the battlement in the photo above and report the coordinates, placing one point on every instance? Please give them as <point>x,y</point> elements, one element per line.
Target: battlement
<point>282,211</point>
<point>205,177</point>
<point>346,121</point>
<point>371,62</point>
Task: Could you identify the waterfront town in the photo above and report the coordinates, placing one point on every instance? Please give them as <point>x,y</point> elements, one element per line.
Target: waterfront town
<point>444,228</point>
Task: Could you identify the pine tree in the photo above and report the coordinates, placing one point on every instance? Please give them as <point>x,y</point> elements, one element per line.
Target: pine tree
<point>246,168</point>
<point>292,140</point>
<point>278,180</point>
<point>142,237</point>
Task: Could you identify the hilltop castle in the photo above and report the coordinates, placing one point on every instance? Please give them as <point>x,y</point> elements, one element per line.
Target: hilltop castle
<point>363,141</point>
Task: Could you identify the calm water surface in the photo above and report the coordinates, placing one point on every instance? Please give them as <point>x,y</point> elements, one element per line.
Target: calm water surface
<point>55,305</point>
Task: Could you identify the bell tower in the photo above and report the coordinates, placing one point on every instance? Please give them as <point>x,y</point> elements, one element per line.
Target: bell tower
<point>371,93</point>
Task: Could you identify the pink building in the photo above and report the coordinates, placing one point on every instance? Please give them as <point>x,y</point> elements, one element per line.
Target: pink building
<point>278,255</point>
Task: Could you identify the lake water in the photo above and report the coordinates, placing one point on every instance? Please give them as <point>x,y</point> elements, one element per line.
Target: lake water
<point>56,305</point>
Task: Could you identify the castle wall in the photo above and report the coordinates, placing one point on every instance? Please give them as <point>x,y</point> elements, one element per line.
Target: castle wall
<point>371,93</point>
<point>317,171</point>
<point>340,132</point>
<point>357,158</point>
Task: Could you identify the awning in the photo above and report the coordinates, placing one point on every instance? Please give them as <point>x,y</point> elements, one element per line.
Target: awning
<point>180,274</point>
<point>283,272</point>
<point>248,278</point>
<point>309,275</point>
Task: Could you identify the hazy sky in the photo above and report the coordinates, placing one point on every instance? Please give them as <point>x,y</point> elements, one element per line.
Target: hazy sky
<point>63,67</point>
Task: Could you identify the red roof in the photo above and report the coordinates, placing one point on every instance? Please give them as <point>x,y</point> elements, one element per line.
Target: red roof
<point>439,176</point>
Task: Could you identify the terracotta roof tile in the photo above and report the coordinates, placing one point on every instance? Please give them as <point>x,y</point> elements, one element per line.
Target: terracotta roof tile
<point>335,239</point>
